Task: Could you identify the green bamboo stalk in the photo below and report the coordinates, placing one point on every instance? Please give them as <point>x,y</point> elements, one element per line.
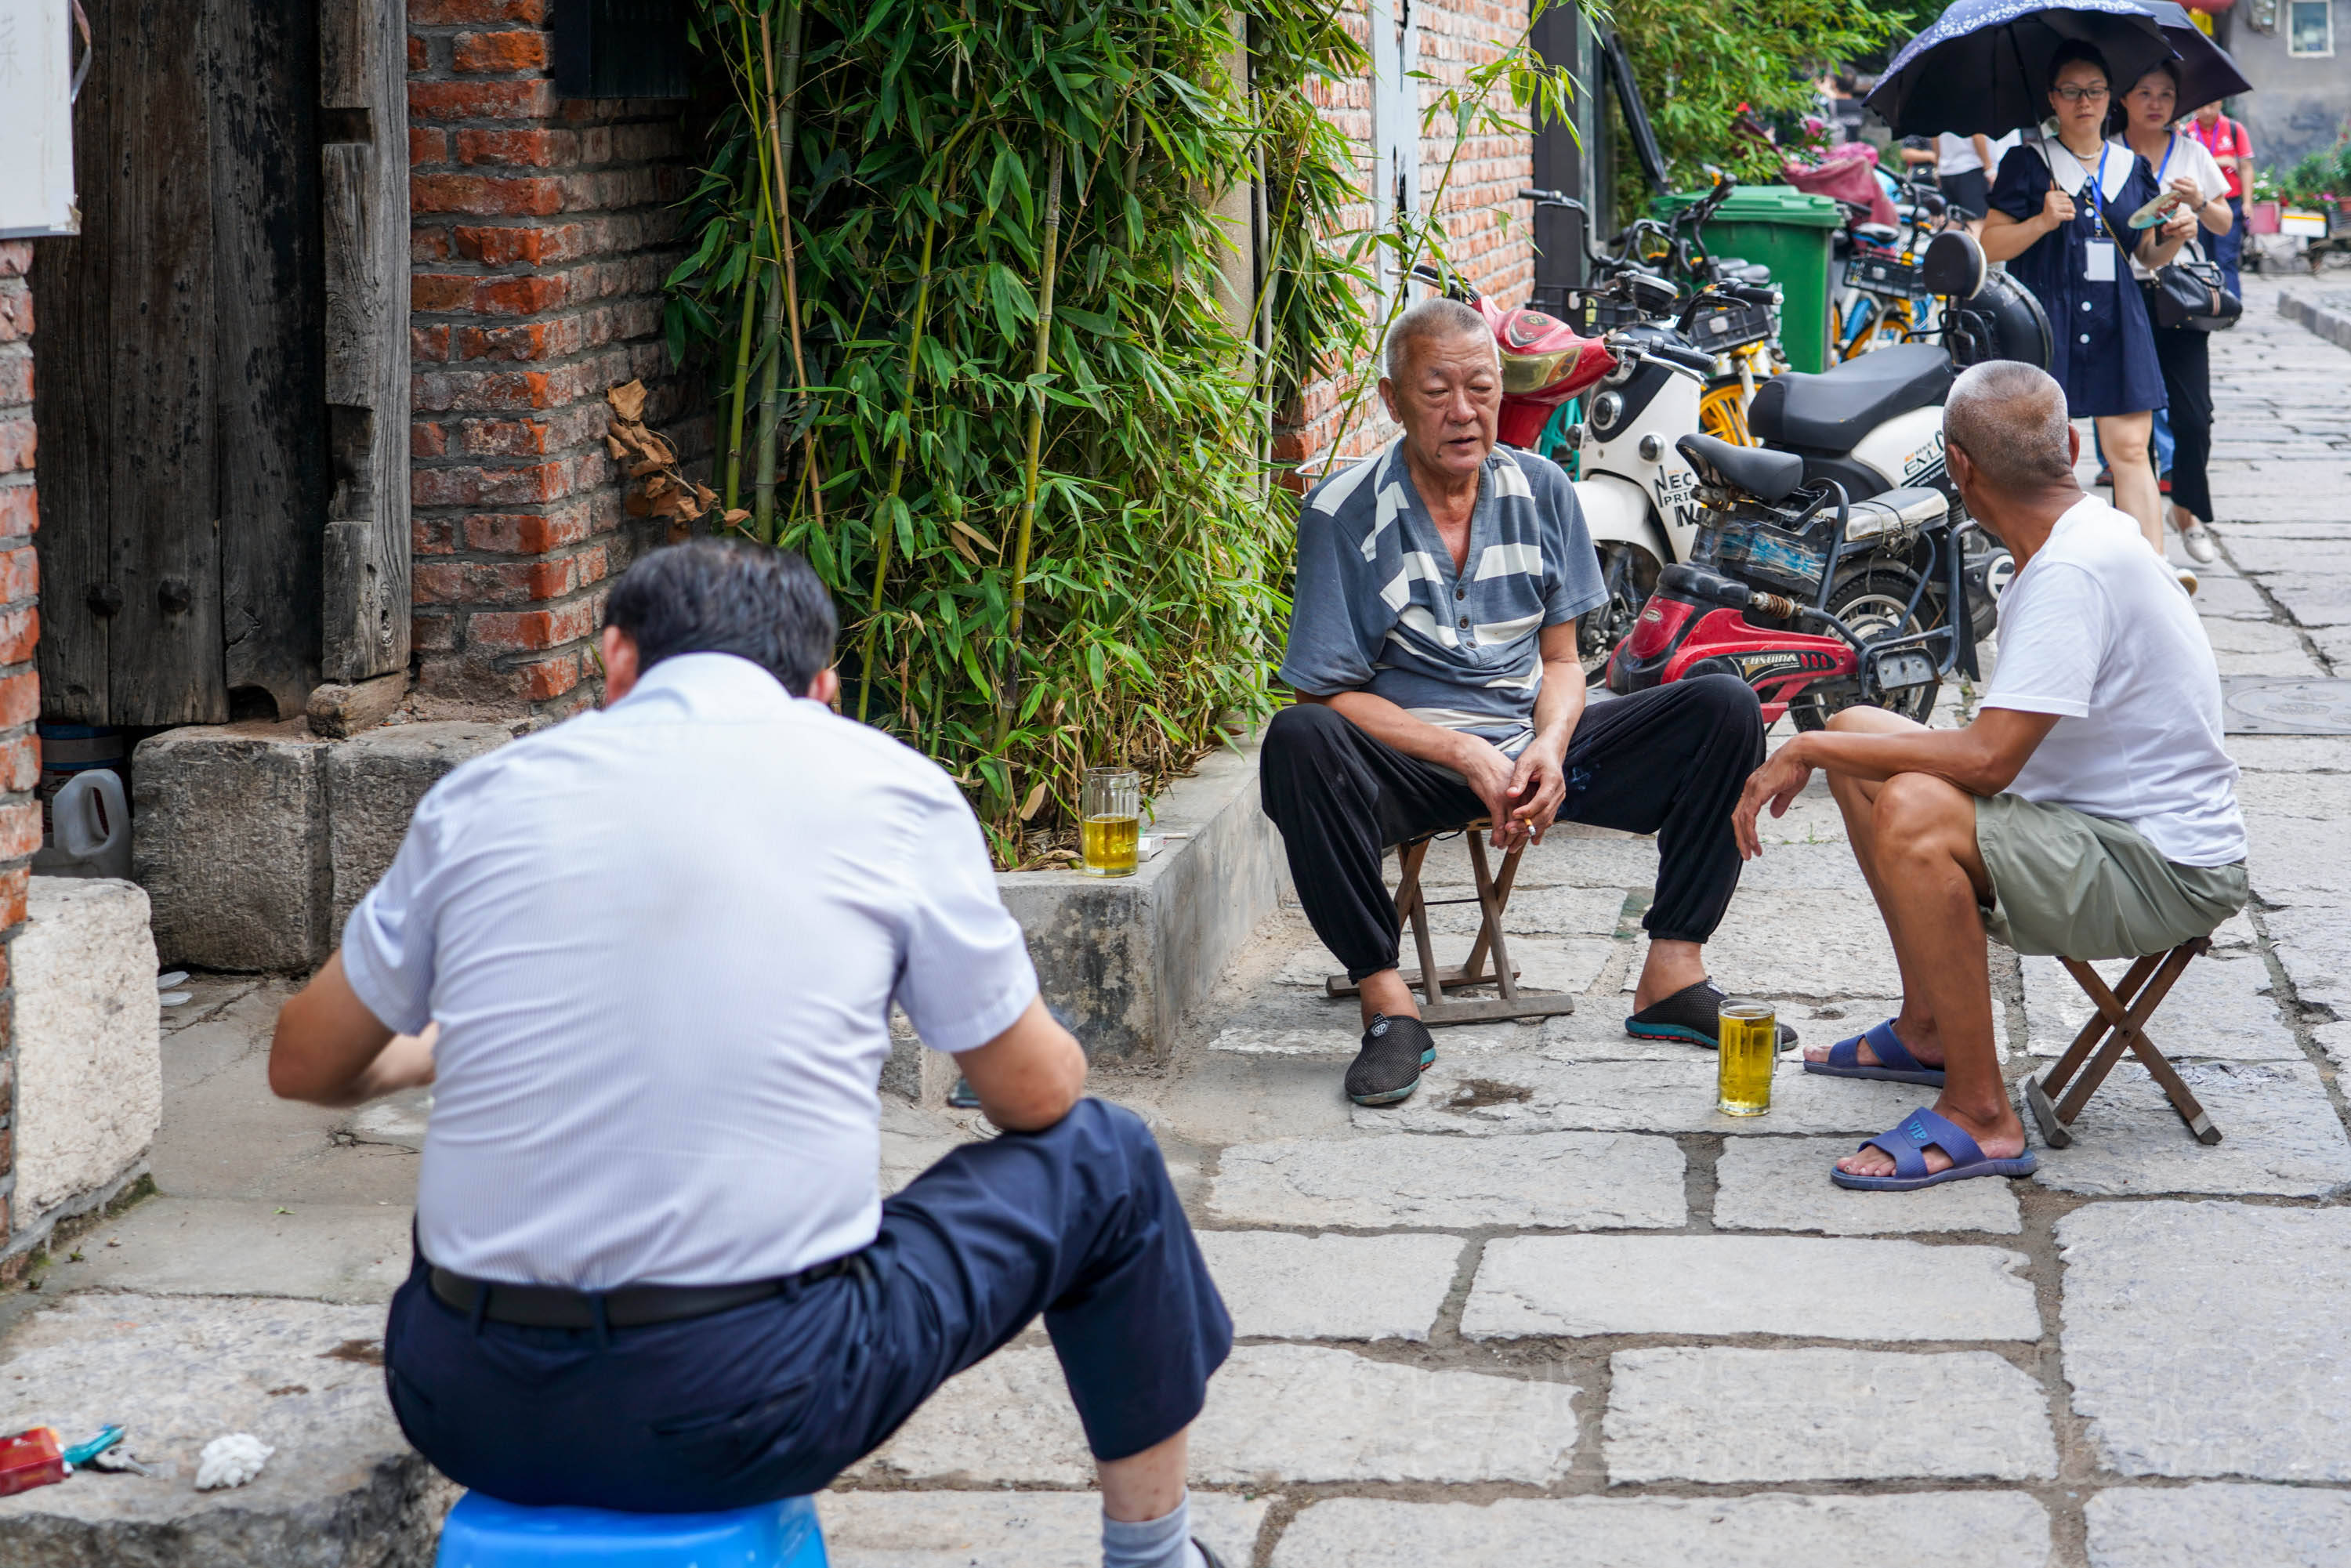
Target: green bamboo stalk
<point>886,533</point>
<point>1008,706</point>
<point>739,399</point>
<point>771,376</point>
<point>783,130</point>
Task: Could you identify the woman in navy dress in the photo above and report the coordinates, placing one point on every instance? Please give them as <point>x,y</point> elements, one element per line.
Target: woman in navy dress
<point>2058,211</point>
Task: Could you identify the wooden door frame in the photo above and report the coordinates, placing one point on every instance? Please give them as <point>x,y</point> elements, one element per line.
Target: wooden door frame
<point>364,207</point>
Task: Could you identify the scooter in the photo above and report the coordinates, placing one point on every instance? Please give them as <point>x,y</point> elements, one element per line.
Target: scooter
<point>1873,423</point>
<point>1817,600</point>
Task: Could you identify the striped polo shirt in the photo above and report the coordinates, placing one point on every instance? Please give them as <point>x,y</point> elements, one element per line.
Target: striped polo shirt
<point>1378,606</point>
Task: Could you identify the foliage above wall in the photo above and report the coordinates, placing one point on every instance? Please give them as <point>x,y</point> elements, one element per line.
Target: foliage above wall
<point>994,390</point>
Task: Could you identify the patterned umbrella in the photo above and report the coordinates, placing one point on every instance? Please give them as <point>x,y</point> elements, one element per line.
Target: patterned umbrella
<point>1983,67</point>
<point>2207,74</point>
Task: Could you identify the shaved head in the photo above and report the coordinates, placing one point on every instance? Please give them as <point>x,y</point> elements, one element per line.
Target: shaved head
<point>1433,317</point>
<point>2009,417</point>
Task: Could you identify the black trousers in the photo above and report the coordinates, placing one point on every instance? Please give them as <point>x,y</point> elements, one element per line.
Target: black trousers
<point>2185,356</point>
<point>1669,762</point>
<point>1078,1223</point>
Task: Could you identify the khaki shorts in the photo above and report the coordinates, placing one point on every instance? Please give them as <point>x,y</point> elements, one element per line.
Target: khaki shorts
<point>2066,883</point>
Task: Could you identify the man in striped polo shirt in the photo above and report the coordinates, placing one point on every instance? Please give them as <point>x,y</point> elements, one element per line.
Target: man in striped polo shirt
<point>1432,648</point>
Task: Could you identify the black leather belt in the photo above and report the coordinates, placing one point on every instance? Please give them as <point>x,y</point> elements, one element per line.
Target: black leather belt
<point>630,1306</point>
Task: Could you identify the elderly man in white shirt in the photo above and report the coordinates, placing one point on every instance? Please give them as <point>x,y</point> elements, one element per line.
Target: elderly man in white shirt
<point>647,958</point>
<point>2090,809</point>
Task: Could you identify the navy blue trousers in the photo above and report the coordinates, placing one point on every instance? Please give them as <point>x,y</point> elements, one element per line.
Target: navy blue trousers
<point>774,1400</point>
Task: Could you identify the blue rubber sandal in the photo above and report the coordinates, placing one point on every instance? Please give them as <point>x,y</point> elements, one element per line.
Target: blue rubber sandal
<point>1909,1144</point>
<point>1895,1064</point>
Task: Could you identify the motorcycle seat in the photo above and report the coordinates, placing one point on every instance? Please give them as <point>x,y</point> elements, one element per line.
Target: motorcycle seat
<point>1766,475</point>
<point>1883,234</point>
<point>1737,269</point>
<point>1833,411</point>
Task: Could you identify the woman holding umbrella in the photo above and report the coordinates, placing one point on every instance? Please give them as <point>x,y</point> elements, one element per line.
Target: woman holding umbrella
<point>2194,183</point>
<point>2060,218</point>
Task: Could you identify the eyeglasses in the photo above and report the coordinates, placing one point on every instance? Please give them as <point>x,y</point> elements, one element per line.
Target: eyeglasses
<point>2082,94</point>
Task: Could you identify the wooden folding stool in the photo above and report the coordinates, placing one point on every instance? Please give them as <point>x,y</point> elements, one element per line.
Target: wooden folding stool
<point>2120,1021</point>
<point>1493,897</point>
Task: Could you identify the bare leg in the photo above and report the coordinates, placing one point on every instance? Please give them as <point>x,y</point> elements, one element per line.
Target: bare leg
<point>1147,1485</point>
<point>1923,842</point>
<point>1386,992</point>
<point>2124,437</point>
<point>1670,966</point>
<point>1914,1025</point>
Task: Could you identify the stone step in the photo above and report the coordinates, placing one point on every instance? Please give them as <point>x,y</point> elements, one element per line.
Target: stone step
<point>1400,1181</point>
<point>342,1490</point>
<point>213,1247</point>
<point>1007,1530</point>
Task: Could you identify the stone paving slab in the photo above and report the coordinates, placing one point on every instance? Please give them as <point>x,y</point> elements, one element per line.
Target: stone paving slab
<point>2290,753</point>
<point>2251,637</point>
<point>1545,964</point>
<point>1723,1285</point>
<point>1531,912</point>
<point>343,1488</point>
<point>2312,598</point>
<point>2222,1007</point>
<point>1720,1414</point>
<point>2231,599</point>
<point>2313,942</point>
<point>2190,1527</point>
<point>1996,1528</point>
<point>2296,856</point>
<point>1780,1184</point>
<point>1550,1180</point>
<point>1006,1530</point>
<point>1278,1285</point>
<point>2279,1136</point>
<point>2263,554</point>
<point>1520,1094</point>
<point>2205,1339</point>
<point>2315,795</point>
<point>1303,1413</point>
<point>216,1246</point>
<point>1800,942</point>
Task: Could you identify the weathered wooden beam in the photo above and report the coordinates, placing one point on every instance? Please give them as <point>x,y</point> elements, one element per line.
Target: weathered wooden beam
<point>363,157</point>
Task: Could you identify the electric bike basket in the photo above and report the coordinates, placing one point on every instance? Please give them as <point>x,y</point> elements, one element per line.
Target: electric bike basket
<point>1718,329</point>
<point>1876,272</point>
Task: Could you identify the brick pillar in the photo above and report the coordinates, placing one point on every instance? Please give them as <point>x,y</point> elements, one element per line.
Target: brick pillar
<point>541,229</point>
<point>20,697</point>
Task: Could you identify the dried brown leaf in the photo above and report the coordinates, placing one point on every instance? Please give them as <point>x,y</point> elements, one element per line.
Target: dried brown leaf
<point>612,445</point>
<point>628,400</point>
<point>1036,798</point>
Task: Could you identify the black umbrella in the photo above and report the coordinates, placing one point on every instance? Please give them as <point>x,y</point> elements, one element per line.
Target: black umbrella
<point>2207,74</point>
<point>1983,67</point>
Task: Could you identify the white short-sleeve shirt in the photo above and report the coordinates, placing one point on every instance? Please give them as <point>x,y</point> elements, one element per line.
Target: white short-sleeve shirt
<point>661,942</point>
<point>2095,630</point>
<point>2186,156</point>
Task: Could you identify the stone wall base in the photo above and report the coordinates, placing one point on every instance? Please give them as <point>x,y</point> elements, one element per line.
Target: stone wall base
<point>255,841</point>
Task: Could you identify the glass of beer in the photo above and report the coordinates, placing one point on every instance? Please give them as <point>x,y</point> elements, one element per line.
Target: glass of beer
<point>1751,1045</point>
<point>1111,818</point>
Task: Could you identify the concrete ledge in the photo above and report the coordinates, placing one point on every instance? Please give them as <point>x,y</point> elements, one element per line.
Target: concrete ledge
<point>2328,315</point>
<point>1123,959</point>
<point>90,1086</point>
<point>254,841</point>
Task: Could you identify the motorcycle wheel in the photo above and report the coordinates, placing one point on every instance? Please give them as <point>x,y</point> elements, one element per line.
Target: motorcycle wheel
<point>1874,603</point>
<point>1631,574</point>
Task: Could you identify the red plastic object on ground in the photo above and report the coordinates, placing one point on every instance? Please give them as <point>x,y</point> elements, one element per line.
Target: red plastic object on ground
<point>30,1459</point>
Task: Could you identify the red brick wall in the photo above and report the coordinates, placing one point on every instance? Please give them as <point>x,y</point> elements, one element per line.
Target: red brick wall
<point>1489,236</point>
<point>20,700</point>
<point>541,229</point>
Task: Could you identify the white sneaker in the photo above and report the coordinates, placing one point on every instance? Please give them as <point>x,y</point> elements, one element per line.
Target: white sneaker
<point>2198,540</point>
<point>2188,583</point>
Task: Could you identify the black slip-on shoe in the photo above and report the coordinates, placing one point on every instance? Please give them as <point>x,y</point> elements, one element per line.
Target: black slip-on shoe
<point>1690,1014</point>
<point>1388,1067</point>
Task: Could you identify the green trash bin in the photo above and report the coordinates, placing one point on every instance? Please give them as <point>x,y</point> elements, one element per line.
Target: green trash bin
<point>1788,231</point>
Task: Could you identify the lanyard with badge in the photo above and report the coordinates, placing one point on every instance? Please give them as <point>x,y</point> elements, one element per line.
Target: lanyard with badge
<point>2098,251</point>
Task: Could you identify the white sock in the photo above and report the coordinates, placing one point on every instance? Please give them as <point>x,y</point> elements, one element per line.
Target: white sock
<point>1162,1542</point>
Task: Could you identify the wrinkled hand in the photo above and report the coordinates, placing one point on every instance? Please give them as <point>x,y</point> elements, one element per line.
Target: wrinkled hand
<point>1537,787</point>
<point>1778,781</point>
<point>2057,207</point>
<point>1492,778</point>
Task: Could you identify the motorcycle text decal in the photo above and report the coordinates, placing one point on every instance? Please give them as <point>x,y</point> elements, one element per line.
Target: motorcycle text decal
<point>1753,667</point>
<point>1926,464</point>
<point>1677,493</point>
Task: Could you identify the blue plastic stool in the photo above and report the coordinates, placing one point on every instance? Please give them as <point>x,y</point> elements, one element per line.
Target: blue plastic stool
<point>483,1533</point>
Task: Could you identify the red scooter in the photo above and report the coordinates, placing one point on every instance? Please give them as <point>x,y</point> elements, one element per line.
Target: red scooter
<point>1754,599</point>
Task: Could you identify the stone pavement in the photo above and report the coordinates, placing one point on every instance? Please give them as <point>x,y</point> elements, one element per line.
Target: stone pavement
<point>1554,1310</point>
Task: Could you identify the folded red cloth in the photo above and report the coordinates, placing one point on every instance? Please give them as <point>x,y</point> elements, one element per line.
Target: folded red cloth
<point>1847,171</point>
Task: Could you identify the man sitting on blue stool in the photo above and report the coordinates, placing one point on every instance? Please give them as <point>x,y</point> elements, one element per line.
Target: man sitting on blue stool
<point>660,943</point>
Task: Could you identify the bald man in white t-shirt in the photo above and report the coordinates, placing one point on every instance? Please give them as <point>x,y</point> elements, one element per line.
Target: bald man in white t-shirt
<point>2089,811</point>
